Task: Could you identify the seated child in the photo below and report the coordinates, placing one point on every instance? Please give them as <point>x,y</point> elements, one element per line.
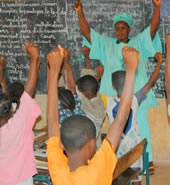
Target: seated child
<point>17,161</point>
<point>69,103</point>
<point>77,135</point>
<point>87,90</point>
<point>92,104</point>
<point>131,133</point>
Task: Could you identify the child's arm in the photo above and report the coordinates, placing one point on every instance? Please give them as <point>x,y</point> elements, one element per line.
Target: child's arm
<point>2,79</point>
<point>70,76</point>
<point>32,51</point>
<point>167,68</point>
<point>99,69</point>
<point>86,52</point>
<point>131,58</point>
<point>155,73</point>
<point>54,61</point>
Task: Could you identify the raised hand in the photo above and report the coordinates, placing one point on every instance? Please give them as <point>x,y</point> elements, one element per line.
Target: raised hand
<point>78,6</point>
<point>55,58</point>
<point>157,3</point>
<point>131,57</point>
<point>159,58</point>
<point>32,50</point>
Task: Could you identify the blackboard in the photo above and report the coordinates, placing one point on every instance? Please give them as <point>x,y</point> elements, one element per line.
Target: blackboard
<point>51,22</point>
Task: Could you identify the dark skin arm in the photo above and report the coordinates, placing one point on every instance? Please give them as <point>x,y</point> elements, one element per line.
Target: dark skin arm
<point>68,68</point>
<point>155,17</point>
<point>84,26</point>
<point>54,60</point>
<point>99,69</point>
<point>155,73</point>
<point>2,70</point>
<point>131,58</point>
<point>32,51</point>
<point>167,67</point>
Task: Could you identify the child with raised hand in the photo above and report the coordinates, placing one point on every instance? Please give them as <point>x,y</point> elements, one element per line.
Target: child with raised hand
<point>131,133</point>
<point>77,135</point>
<point>17,161</point>
<point>69,103</point>
<point>87,90</point>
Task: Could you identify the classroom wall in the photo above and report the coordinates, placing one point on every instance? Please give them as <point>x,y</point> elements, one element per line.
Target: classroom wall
<point>158,120</point>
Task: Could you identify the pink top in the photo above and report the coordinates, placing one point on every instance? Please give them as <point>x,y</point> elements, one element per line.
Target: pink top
<point>17,161</point>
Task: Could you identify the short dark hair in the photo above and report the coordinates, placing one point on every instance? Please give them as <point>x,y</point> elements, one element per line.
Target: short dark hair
<point>118,81</point>
<point>88,83</point>
<point>15,90</point>
<point>66,98</point>
<point>76,132</point>
<point>5,105</point>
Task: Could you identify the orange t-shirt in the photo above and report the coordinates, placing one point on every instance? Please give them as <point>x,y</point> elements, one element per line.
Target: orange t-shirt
<point>99,170</point>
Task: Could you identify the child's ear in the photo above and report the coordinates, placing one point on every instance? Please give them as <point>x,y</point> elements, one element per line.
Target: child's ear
<point>61,145</point>
<point>92,144</point>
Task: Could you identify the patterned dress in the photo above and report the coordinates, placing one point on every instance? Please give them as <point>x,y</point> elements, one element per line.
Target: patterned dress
<point>66,113</point>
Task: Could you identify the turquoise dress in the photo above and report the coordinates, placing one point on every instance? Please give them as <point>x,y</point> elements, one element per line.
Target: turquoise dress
<point>109,52</point>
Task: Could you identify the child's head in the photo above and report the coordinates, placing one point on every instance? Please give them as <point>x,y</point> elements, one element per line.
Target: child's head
<point>66,98</point>
<point>88,85</point>
<point>118,81</point>
<point>5,108</point>
<point>76,132</point>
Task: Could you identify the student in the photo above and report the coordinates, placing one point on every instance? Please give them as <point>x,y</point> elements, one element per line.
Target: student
<point>77,135</point>
<point>108,51</point>
<point>87,90</point>
<point>17,161</point>
<point>131,133</point>
<point>92,104</point>
<point>69,103</point>
<point>167,71</point>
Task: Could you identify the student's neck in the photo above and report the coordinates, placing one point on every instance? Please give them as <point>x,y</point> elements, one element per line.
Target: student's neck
<point>75,160</point>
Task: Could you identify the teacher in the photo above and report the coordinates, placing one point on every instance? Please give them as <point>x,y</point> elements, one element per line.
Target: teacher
<point>109,51</point>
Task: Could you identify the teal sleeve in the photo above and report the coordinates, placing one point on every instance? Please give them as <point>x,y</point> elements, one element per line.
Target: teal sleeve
<point>149,46</point>
<point>99,46</point>
<point>86,43</point>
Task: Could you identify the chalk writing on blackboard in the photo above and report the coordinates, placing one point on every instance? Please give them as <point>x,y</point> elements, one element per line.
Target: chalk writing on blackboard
<point>48,23</point>
<point>42,22</point>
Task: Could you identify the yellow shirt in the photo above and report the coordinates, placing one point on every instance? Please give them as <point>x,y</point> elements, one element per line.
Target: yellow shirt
<point>99,170</point>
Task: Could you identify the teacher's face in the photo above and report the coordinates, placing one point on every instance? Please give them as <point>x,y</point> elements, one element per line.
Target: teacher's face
<point>122,31</point>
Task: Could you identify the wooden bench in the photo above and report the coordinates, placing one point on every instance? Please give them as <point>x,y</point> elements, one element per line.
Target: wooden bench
<point>124,174</point>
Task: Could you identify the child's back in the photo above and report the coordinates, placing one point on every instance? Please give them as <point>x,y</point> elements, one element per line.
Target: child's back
<point>131,133</point>
<point>16,144</point>
<point>17,161</point>
<point>92,104</point>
